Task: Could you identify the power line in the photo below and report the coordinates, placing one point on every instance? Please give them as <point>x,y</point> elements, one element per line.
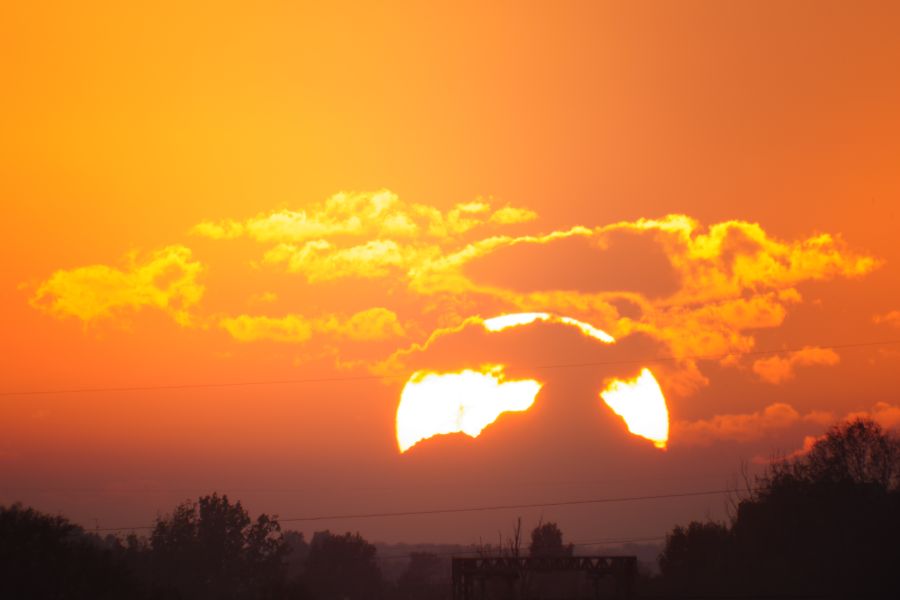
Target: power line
<point>295,490</point>
<point>351,378</point>
<point>438,511</point>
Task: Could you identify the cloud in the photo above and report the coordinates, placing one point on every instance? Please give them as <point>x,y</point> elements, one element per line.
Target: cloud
<point>508,215</point>
<point>743,427</point>
<point>774,418</point>
<point>889,318</point>
<point>735,256</point>
<point>718,284</point>
<point>377,215</point>
<point>777,369</point>
<point>367,325</point>
<point>166,280</point>
<point>320,260</point>
<point>886,415</point>
<point>674,288</point>
<point>247,328</point>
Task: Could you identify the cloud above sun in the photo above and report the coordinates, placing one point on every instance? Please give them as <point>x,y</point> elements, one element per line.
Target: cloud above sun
<point>408,273</point>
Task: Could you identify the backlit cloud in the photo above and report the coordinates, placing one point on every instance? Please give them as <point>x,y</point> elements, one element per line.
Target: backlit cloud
<point>166,280</point>
<point>377,215</point>
<point>693,295</point>
<point>891,318</point>
<point>367,325</point>
<point>776,369</point>
<point>247,328</point>
<point>744,427</point>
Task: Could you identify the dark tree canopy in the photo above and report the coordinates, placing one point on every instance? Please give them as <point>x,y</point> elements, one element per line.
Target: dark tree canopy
<point>212,549</point>
<point>44,556</point>
<point>547,540</point>
<point>695,556</point>
<point>424,577</point>
<point>826,522</point>
<point>342,567</point>
<point>858,452</point>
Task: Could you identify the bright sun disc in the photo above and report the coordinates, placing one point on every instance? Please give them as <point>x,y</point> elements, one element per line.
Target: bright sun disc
<point>516,319</point>
<point>464,402</point>
<point>641,404</point>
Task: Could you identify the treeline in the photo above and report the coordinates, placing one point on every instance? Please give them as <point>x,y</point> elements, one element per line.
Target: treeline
<point>204,550</point>
<point>822,524</point>
<point>212,550</point>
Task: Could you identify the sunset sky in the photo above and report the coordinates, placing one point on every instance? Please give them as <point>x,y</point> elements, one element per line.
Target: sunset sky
<point>326,202</point>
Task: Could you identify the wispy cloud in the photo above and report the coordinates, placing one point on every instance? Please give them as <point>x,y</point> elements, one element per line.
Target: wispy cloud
<point>776,369</point>
<point>166,279</point>
<point>367,325</point>
<point>744,427</point>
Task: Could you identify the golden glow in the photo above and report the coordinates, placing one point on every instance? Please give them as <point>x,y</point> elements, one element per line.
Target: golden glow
<point>515,319</point>
<point>641,404</point>
<point>465,402</point>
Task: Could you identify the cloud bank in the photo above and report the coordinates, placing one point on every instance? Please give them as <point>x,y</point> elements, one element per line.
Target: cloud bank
<point>701,293</point>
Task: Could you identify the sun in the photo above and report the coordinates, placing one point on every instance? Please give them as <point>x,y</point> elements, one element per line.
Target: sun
<point>435,403</point>
<point>463,402</point>
<point>641,404</point>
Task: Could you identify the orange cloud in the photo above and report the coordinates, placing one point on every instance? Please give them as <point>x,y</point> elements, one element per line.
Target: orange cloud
<point>744,427</point>
<point>698,293</point>
<point>247,328</point>
<point>889,318</point>
<point>166,280</point>
<point>886,415</point>
<point>320,260</point>
<point>775,417</point>
<point>368,325</point>
<point>378,215</point>
<point>777,369</point>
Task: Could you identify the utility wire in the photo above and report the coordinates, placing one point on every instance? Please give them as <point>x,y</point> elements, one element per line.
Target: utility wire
<point>438,511</point>
<point>350,378</point>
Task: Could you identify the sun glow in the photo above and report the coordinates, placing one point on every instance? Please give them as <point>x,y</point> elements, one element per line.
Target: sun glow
<point>641,404</point>
<point>515,319</point>
<point>464,402</point>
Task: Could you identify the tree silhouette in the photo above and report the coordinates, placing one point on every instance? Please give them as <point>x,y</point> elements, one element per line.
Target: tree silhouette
<point>547,540</point>
<point>695,558</point>
<point>827,522</point>
<point>425,577</point>
<point>210,549</point>
<point>342,567</point>
<point>44,556</point>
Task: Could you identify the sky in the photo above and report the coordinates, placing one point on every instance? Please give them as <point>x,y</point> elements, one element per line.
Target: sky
<point>234,234</point>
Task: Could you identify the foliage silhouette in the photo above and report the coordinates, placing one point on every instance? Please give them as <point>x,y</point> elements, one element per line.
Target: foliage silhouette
<point>826,522</point>
<point>547,540</point>
<point>342,567</point>
<point>424,578</point>
<point>210,549</point>
<point>44,556</point>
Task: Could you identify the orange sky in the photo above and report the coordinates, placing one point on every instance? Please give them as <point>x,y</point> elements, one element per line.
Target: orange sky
<point>216,194</point>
